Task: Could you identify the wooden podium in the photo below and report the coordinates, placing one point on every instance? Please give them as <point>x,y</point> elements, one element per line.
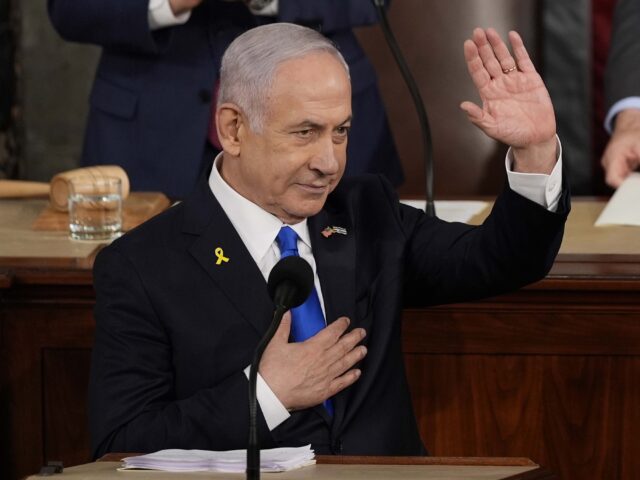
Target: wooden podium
<point>549,372</point>
<point>343,468</point>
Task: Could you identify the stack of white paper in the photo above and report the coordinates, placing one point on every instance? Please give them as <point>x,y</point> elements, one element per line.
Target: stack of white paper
<point>271,460</point>
<point>622,208</point>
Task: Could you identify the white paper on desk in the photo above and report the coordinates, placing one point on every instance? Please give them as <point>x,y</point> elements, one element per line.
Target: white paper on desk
<point>231,461</point>
<point>624,206</point>
<point>452,210</point>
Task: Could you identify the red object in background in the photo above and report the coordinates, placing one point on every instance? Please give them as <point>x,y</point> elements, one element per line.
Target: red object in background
<point>601,22</point>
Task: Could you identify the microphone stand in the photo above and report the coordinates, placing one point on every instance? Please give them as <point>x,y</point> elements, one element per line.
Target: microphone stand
<point>427,143</point>
<point>253,449</point>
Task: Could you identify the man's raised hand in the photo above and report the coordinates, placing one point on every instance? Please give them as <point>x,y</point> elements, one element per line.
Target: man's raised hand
<point>516,107</point>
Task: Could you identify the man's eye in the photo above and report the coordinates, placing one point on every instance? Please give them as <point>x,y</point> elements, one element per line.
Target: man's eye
<point>342,131</point>
<point>305,133</point>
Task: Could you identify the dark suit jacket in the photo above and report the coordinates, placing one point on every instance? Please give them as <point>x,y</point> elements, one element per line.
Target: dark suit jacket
<point>175,330</point>
<point>622,75</point>
<point>150,102</point>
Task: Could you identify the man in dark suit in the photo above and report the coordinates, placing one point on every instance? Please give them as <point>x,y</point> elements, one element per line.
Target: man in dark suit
<point>182,300</point>
<point>150,105</point>
<point>622,94</point>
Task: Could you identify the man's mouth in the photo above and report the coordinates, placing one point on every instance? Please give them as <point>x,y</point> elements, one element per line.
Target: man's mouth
<point>316,188</point>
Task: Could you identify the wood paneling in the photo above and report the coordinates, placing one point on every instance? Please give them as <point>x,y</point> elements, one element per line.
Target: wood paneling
<point>65,372</point>
<point>549,373</point>
<point>576,415</point>
<point>45,329</point>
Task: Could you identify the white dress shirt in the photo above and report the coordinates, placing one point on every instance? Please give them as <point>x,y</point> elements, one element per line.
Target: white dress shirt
<point>161,15</point>
<point>545,190</point>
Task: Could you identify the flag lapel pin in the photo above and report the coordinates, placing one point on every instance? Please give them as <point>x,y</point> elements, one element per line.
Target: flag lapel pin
<point>328,231</point>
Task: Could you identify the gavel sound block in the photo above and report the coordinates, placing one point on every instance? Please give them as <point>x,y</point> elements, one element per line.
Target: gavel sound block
<point>58,188</point>
<point>137,207</point>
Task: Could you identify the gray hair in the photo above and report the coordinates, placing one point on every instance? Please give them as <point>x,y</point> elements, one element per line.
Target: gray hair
<point>249,64</point>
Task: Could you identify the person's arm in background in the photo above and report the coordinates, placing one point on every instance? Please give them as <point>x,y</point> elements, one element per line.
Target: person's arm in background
<point>127,25</point>
<point>330,15</point>
<point>622,94</point>
<point>138,25</point>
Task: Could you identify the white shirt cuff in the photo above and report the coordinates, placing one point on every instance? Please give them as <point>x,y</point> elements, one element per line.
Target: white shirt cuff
<point>269,10</point>
<point>543,189</point>
<point>161,15</point>
<point>273,411</point>
<point>616,108</point>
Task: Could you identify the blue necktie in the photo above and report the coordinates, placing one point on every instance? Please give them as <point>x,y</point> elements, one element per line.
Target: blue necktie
<point>307,319</point>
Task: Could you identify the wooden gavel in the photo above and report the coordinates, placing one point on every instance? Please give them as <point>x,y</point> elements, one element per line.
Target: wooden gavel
<point>58,188</point>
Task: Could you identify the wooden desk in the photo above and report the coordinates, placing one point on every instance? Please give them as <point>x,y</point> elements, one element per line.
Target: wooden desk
<point>347,468</point>
<point>549,372</point>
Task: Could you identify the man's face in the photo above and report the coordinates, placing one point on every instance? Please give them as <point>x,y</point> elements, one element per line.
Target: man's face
<point>290,167</point>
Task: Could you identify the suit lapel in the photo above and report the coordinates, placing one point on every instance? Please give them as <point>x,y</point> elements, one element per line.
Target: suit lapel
<point>239,277</point>
<point>335,259</point>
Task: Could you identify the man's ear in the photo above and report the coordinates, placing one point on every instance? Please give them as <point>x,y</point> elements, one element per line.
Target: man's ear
<point>229,122</point>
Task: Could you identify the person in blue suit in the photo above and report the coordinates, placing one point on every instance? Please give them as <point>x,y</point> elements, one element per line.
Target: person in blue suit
<point>182,300</point>
<point>150,105</point>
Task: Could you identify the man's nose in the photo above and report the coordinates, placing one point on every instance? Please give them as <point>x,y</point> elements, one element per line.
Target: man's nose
<point>326,159</point>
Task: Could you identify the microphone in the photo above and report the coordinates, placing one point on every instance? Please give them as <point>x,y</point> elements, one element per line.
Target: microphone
<point>427,142</point>
<point>290,283</point>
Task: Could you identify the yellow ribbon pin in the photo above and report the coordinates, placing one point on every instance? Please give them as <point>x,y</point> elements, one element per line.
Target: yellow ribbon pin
<point>220,254</point>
